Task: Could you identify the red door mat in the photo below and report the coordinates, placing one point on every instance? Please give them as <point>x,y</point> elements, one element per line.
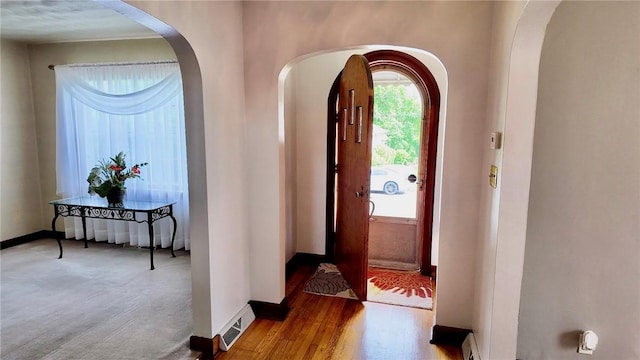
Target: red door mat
<point>397,287</point>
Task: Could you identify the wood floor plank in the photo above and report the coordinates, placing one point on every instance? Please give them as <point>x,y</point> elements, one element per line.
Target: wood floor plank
<point>254,335</point>
<point>321,327</point>
<point>242,354</point>
<point>445,352</point>
<point>268,337</point>
<point>311,350</point>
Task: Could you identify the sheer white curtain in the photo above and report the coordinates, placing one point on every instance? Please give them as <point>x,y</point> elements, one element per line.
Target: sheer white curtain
<point>135,108</point>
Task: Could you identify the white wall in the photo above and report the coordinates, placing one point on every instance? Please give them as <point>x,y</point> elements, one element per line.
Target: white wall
<point>291,182</point>
<point>44,94</point>
<point>20,198</point>
<point>313,79</point>
<point>513,96</point>
<point>314,76</point>
<point>212,65</point>
<point>458,33</point>
<point>582,266</point>
<point>505,19</point>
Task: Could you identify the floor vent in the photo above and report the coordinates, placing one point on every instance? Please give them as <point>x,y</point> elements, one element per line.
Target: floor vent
<point>236,327</point>
<point>470,348</point>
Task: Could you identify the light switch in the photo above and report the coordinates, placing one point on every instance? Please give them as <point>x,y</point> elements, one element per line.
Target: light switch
<point>496,140</point>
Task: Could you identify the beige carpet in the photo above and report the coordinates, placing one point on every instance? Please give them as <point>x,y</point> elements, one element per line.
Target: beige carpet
<point>97,303</point>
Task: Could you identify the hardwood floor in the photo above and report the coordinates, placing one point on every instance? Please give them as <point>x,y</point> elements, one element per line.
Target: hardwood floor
<point>321,327</point>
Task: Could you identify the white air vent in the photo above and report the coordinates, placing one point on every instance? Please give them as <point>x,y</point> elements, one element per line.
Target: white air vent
<point>470,348</point>
<point>236,327</point>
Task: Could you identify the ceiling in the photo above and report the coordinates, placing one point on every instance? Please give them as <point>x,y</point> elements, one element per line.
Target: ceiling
<point>47,21</point>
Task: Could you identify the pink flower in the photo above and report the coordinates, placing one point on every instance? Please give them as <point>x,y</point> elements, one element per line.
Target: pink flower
<point>115,167</point>
<point>135,170</point>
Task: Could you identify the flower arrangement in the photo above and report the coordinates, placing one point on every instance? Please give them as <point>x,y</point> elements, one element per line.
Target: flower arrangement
<point>112,174</point>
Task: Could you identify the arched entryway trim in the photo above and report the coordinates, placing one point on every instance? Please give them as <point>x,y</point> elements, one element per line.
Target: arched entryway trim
<point>194,127</point>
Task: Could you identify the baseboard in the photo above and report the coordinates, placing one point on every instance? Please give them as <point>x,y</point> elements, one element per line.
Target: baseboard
<point>208,347</point>
<point>446,335</point>
<point>302,259</point>
<point>394,265</point>
<point>270,311</point>
<point>42,234</point>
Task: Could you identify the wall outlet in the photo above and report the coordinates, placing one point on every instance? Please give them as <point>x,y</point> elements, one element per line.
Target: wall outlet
<point>588,342</point>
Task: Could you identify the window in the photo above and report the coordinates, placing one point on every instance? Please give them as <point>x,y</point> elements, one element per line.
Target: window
<point>136,108</point>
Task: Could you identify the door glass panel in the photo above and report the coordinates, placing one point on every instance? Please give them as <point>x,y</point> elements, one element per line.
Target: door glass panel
<point>395,153</point>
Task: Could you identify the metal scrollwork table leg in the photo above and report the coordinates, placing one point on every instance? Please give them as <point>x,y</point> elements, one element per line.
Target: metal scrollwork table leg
<point>55,234</point>
<point>84,226</point>
<point>152,243</point>
<point>175,227</point>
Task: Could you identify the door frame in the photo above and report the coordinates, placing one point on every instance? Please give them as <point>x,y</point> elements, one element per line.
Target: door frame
<point>426,83</point>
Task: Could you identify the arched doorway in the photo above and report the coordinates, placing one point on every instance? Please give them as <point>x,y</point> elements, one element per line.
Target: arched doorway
<point>419,74</point>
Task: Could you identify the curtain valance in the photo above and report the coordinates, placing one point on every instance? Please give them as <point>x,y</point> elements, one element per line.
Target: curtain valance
<point>144,100</point>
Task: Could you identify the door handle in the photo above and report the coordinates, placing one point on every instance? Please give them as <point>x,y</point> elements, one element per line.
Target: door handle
<point>414,179</point>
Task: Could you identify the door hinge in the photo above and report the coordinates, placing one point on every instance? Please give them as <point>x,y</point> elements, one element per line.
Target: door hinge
<point>335,169</point>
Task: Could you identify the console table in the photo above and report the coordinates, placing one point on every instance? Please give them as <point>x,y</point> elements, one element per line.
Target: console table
<point>97,208</point>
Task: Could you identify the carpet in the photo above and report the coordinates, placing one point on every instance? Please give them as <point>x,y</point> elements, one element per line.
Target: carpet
<point>328,281</point>
<point>397,287</point>
<point>97,303</point>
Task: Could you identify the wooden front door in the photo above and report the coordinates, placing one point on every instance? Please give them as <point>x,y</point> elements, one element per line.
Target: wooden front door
<point>354,131</point>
